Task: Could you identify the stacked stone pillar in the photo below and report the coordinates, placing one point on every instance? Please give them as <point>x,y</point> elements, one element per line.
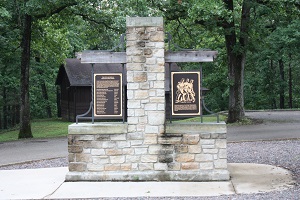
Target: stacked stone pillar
<point>145,77</point>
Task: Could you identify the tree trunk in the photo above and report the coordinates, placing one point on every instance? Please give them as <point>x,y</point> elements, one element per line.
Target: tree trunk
<point>272,90</point>
<point>45,96</point>
<point>4,108</point>
<point>25,126</point>
<point>290,83</point>
<point>281,90</point>
<point>236,60</point>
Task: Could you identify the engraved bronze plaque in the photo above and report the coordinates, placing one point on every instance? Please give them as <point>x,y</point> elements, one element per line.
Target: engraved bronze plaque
<point>108,95</point>
<point>185,87</point>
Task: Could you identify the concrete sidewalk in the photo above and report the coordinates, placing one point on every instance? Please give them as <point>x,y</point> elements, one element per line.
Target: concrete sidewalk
<point>48,183</point>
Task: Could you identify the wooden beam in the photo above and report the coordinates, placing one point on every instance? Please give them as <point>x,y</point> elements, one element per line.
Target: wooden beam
<point>120,57</point>
<point>190,56</point>
<point>102,57</point>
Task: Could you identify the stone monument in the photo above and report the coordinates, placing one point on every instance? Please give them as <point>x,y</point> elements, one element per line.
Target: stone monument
<point>146,147</point>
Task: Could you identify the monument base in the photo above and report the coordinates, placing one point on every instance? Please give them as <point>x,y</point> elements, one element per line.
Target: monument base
<point>186,152</point>
<point>203,175</point>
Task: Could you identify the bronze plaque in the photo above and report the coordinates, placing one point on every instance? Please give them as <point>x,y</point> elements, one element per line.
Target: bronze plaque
<point>108,95</point>
<point>185,87</point>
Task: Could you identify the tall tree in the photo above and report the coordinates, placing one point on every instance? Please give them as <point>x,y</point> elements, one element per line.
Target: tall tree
<point>46,10</point>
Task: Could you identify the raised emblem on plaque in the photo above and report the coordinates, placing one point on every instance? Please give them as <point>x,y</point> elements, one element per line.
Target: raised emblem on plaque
<point>185,87</point>
<point>108,95</point>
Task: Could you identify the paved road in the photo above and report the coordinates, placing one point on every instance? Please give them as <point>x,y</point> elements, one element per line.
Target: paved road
<point>276,125</point>
<point>32,149</point>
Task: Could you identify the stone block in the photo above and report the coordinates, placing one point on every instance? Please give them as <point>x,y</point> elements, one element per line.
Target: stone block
<point>205,136</point>
<point>132,86</point>
<point>190,166</point>
<point>150,138</point>
<point>132,120</point>
<point>151,61</point>
<point>117,159</point>
<point>140,151</point>
<point>195,149</point>
<point>154,149</point>
<point>145,166</point>
<point>133,158</point>
<point>203,157</point>
<point>144,86</point>
<point>156,117</point>
<point>133,103</point>
<point>123,144</point>
<point>131,128</point>
<point>221,143</point>
<point>159,53</point>
<point>118,137</point>
<point>85,137</point>
<point>220,164</point>
<point>141,94</point>
<point>136,142</point>
<point>168,139</point>
<point>98,152</point>
<point>157,36</point>
<point>71,157</point>
<point>191,139</point>
<point>212,146</point>
<point>133,51</point>
<point>139,59</point>
<point>102,137</point>
<point>126,167</point>
<point>166,149</point>
<point>77,167</point>
<point>222,153</point>
<point>181,148</point>
<point>210,151</point>
<point>149,158</point>
<point>94,168</point>
<point>160,166</point>
<point>128,151</point>
<point>147,51</point>
<point>135,136</point>
<point>165,158</point>
<point>151,106</point>
<point>100,160</point>
<point>112,167</point>
<point>185,158</point>
<point>109,144</point>
<point>75,149</point>
<point>93,144</point>
<point>133,67</point>
<point>157,99</point>
<point>159,45</point>
<point>174,166</point>
<point>113,152</point>
<point>206,165</point>
<point>159,84</point>
<point>139,112</point>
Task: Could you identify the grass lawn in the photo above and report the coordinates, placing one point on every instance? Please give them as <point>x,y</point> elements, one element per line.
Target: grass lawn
<point>206,119</point>
<point>51,128</point>
<point>45,128</point>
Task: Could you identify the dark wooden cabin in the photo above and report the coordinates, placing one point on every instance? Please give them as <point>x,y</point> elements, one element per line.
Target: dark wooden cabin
<point>74,80</point>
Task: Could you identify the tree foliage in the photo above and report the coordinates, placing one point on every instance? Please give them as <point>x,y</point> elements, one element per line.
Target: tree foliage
<point>257,41</point>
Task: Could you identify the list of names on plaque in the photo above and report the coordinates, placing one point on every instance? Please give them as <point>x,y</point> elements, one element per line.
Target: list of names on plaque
<point>185,93</point>
<point>108,95</point>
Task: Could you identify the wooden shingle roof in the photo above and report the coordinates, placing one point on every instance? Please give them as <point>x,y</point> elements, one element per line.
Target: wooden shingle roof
<point>79,74</point>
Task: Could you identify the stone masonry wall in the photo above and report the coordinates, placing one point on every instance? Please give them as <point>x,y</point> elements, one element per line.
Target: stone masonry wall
<point>196,154</point>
